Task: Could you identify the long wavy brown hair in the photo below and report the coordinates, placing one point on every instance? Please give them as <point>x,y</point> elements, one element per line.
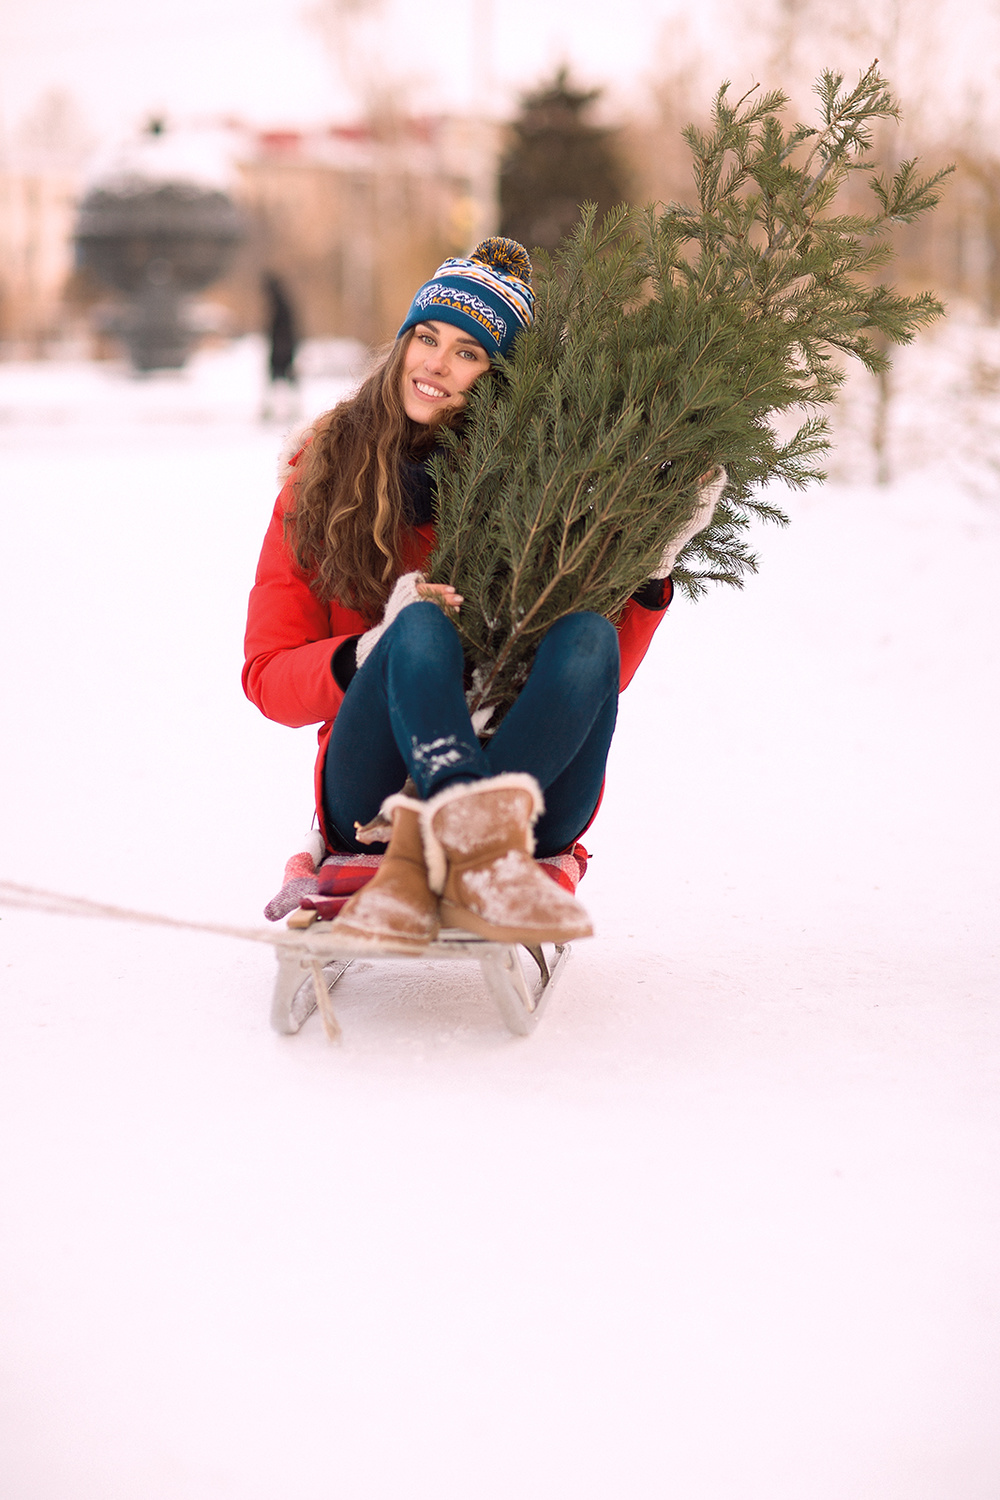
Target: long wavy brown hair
<point>348,524</point>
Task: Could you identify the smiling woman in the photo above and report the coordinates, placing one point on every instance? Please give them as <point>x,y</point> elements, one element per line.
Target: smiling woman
<point>439,366</point>
<point>344,628</point>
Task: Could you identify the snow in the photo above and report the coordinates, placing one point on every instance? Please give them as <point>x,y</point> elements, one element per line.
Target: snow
<point>500,895</point>
<point>725,1228</point>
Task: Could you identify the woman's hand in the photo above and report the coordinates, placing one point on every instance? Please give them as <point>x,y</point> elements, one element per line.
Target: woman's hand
<point>406,590</point>
<point>708,493</point>
<point>411,588</point>
<point>443,594</point>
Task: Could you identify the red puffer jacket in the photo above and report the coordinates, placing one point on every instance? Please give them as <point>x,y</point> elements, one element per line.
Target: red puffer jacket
<point>292,636</point>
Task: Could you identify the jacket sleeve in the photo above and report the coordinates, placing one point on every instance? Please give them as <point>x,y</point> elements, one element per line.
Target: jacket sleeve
<point>636,627</point>
<point>289,644</point>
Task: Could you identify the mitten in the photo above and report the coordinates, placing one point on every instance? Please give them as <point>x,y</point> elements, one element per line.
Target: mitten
<point>404,592</point>
<point>709,494</point>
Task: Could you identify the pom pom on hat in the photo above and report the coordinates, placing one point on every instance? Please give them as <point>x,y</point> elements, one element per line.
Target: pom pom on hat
<point>487,294</point>
<point>504,256</point>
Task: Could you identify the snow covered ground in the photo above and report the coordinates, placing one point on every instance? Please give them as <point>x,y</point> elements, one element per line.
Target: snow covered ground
<point>726,1228</point>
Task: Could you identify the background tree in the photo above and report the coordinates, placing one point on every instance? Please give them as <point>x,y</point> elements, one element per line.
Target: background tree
<point>557,160</point>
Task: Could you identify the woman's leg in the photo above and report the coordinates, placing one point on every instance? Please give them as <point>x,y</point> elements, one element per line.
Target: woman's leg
<point>403,714</point>
<point>405,711</point>
<point>561,726</point>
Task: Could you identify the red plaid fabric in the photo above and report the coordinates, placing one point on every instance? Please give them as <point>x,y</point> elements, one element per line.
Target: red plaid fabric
<point>327,889</point>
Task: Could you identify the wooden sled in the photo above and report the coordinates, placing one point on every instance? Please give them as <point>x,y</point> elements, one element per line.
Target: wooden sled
<point>313,959</point>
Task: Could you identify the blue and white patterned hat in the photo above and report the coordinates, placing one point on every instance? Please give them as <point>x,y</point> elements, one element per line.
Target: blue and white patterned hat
<point>489,295</point>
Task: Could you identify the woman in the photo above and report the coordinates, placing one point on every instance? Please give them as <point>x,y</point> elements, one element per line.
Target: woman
<point>343,628</point>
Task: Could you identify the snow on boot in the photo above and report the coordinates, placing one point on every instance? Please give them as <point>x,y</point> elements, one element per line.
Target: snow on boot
<point>396,912</point>
<point>478,842</point>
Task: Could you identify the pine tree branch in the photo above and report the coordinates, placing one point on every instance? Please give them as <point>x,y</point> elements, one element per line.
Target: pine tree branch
<point>666,342</point>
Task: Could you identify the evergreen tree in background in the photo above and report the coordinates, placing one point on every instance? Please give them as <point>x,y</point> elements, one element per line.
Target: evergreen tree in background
<point>666,342</point>
<point>557,160</point>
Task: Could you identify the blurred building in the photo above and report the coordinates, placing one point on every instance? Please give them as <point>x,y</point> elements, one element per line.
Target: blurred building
<point>353,217</point>
<point>40,176</point>
<point>350,217</point>
<point>37,215</point>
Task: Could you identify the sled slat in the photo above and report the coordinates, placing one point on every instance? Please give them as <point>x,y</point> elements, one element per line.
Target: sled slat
<point>311,960</point>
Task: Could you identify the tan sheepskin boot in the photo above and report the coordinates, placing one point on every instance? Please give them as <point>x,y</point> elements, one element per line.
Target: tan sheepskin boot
<point>478,842</point>
<point>396,912</point>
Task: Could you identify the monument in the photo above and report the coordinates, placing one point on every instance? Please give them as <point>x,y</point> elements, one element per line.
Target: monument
<point>157,243</point>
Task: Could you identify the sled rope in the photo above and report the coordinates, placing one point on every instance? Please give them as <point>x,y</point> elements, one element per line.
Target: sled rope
<point>330,1023</point>
<point>519,1007</point>
<point>30,898</point>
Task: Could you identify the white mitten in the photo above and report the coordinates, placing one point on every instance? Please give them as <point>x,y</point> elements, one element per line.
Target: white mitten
<point>404,592</point>
<point>709,494</point>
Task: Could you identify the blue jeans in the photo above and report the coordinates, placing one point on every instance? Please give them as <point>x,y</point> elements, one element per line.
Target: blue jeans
<point>404,714</point>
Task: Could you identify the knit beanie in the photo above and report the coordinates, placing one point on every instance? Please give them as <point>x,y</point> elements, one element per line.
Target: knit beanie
<point>489,295</point>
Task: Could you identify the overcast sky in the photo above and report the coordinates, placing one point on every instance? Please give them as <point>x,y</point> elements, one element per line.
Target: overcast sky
<point>266,60</point>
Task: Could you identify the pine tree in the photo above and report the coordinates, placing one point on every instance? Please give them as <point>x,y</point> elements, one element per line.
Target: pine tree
<point>666,342</point>
<point>557,160</point>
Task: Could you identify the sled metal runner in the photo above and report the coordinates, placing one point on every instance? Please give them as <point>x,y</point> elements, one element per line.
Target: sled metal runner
<point>312,961</point>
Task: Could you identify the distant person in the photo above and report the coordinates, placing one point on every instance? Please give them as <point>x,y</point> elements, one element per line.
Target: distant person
<point>282,400</point>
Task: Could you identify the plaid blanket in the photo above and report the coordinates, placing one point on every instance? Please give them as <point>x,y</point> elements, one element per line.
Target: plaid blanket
<point>325,889</point>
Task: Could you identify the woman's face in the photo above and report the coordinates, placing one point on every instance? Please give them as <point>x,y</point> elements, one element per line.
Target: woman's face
<point>439,366</point>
